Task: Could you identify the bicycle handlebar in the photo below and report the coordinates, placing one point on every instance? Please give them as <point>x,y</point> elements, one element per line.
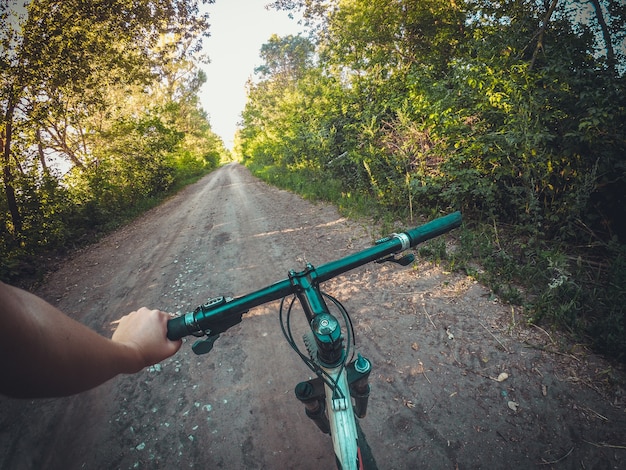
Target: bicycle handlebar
<point>217,317</point>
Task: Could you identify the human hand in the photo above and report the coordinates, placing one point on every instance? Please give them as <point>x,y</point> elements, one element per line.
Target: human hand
<point>144,332</point>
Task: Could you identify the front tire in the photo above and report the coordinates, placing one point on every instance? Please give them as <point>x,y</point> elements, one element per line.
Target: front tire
<point>367,458</point>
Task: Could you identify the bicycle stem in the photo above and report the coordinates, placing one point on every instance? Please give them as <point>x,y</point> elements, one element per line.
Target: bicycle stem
<point>325,327</point>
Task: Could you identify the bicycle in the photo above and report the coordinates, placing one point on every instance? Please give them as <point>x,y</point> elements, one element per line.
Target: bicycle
<point>340,391</point>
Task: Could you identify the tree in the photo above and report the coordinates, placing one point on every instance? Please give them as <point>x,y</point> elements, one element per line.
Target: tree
<point>395,34</point>
<point>285,58</point>
<point>60,57</point>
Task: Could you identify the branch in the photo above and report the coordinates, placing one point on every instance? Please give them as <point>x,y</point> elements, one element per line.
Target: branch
<point>542,30</point>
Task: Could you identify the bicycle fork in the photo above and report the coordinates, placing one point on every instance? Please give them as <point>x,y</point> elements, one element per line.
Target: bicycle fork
<point>328,398</point>
<point>313,393</point>
<point>336,394</point>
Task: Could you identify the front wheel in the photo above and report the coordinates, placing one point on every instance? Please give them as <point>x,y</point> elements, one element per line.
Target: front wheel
<point>367,461</point>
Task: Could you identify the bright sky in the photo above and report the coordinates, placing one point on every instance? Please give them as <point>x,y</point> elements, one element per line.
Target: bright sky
<point>238,30</point>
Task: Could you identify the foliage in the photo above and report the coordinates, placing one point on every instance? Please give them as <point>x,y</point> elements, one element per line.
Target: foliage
<point>513,112</point>
<point>100,113</point>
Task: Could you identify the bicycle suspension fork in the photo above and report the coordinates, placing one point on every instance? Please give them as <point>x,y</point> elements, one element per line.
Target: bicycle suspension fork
<point>312,393</point>
<point>328,402</point>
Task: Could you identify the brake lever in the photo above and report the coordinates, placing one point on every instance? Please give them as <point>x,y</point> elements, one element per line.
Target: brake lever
<point>404,260</point>
<point>204,346</point>
<point>217,326</point>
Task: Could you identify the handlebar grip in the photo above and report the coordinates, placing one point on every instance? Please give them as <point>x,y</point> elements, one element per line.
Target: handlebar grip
<point>176,328</point>
<point>434,228</point>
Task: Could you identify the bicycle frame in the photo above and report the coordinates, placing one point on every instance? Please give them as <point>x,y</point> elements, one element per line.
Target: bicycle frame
<point>328,398</point>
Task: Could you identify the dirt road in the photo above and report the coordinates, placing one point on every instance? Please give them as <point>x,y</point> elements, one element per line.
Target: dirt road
<point>438,343</point>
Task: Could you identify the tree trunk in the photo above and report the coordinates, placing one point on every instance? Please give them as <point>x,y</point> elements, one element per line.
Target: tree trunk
<point>5,148</point>
<point>42,155</point>
<point>606,34</point>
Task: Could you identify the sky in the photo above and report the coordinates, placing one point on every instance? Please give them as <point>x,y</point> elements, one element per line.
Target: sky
<point>238,30</point>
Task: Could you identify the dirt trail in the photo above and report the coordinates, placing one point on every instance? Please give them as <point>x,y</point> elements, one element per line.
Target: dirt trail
<point>438,342</point>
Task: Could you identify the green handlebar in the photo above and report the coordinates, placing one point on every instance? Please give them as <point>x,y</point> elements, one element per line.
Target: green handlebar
<point>434,228</point>
<point>220,318</point>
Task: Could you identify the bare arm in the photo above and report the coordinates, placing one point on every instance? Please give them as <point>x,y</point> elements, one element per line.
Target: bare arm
<point>44,353</point>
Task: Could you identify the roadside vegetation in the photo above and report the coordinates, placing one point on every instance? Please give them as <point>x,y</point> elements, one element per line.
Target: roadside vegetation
<point>513,112</point>
<point>100,120</point>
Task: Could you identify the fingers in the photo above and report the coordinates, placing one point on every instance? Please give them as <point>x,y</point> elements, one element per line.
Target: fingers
<point>143,325</point>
